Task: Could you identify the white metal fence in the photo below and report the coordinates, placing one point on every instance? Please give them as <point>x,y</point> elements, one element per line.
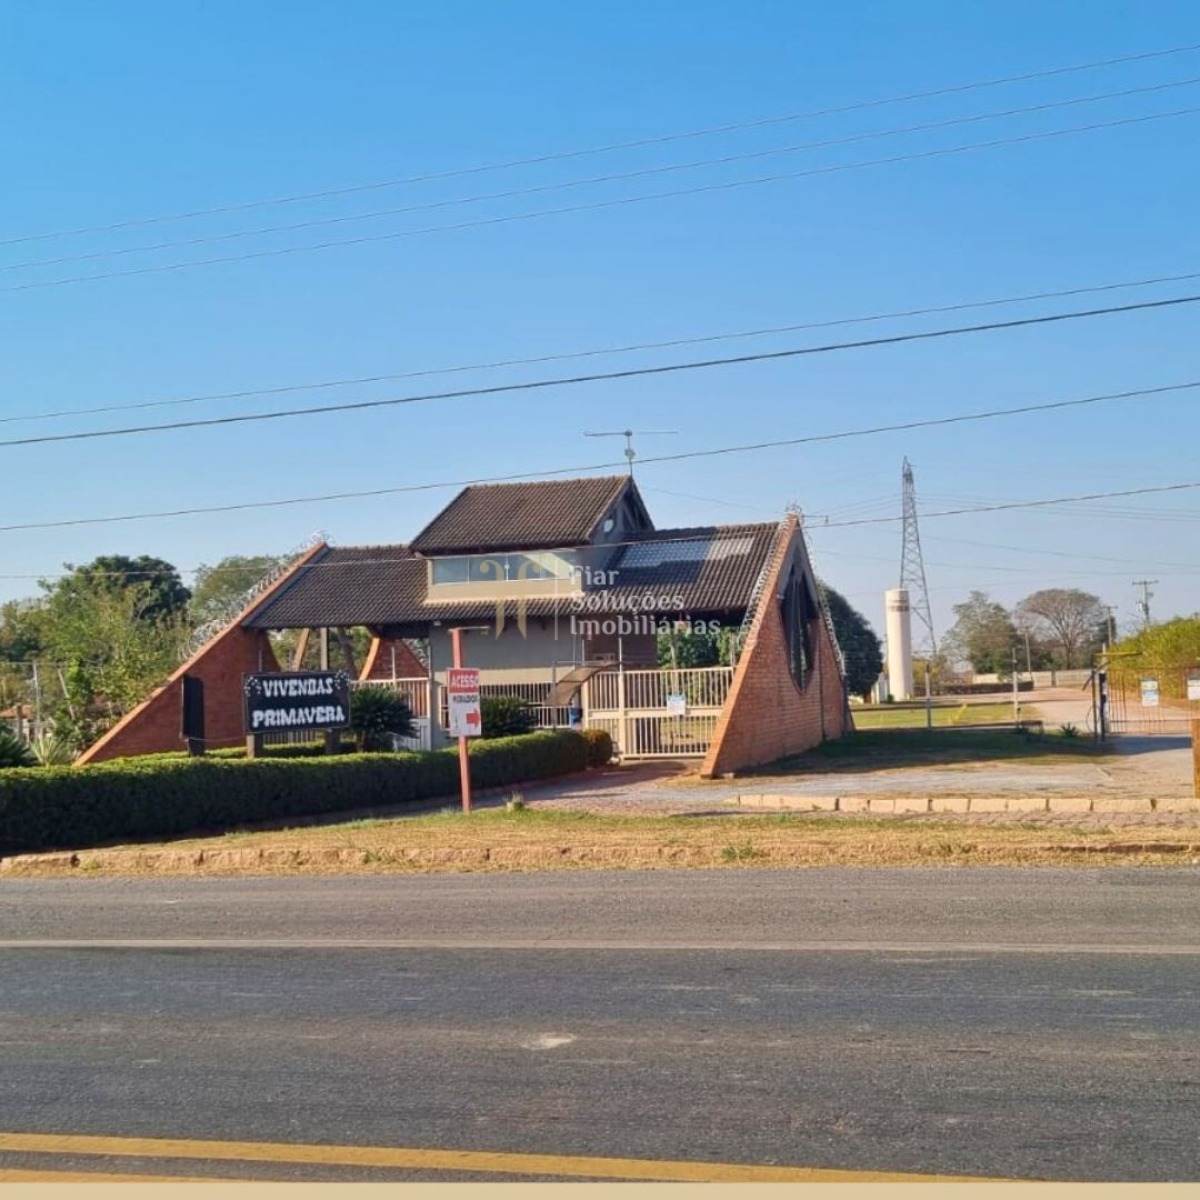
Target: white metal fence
<point>668,713</point>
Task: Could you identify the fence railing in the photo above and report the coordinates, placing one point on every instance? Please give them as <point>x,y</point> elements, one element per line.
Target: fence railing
<point>700,687</point>
<point>1150,698</point>
<point>415,690</point>
<point>668,713</point>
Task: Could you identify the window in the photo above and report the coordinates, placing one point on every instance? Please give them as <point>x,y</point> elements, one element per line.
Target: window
<point>799,612</point>
<point>502,567</point>
<point>450,570</point>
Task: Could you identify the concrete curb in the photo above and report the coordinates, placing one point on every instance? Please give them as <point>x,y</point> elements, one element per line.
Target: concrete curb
<point>892,805</point>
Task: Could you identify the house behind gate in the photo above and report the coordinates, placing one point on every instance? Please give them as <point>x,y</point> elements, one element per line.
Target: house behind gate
<point>561,590</point>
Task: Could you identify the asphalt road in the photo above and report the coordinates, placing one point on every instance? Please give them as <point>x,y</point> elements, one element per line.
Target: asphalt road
<point>1036,1024</point>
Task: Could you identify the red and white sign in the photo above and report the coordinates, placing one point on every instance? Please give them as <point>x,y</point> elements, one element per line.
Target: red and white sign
<point>462,701</point>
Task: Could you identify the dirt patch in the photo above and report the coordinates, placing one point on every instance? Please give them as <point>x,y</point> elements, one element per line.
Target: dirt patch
<point>538,841</point>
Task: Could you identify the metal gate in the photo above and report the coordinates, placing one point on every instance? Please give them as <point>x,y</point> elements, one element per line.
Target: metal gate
<point>1151,699</point>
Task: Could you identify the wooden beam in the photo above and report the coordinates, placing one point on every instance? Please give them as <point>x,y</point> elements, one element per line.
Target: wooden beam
<point>301,649</point>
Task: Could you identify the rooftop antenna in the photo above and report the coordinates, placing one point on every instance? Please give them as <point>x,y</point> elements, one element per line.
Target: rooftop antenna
<point>912,563</point>
<point>628,434</point>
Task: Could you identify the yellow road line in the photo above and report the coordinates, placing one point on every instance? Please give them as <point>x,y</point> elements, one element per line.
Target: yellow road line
<point>416,1159</point>
<point>16,1176</point>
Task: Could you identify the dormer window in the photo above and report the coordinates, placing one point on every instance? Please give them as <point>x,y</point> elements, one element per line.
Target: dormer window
<point>501,567</point>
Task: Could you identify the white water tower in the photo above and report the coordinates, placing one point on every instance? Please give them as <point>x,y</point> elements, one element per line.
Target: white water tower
<point>899,643</point>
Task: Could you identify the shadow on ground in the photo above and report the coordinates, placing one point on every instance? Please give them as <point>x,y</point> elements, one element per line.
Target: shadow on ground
<point>878,749</point>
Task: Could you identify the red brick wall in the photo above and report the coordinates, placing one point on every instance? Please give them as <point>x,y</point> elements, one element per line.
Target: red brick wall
<point>767,715</point>
<point>379,660</point>
<point>153,727</point>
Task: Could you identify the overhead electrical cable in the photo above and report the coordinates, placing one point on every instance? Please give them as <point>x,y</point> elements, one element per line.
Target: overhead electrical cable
<point>779,443</point>
<point>631,144</point>
<point>609,376</point>
<point>669,344</point>
<point>597,205</point>
<point>596,180</point>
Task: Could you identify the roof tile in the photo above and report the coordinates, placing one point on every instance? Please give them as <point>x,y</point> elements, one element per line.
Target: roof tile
<point>544,515</point>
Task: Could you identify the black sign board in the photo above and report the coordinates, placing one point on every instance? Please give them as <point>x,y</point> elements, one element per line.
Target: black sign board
<point>192,707</point>
<point>299,700</point>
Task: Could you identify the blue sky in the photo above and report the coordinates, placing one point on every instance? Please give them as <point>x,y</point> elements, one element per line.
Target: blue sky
<point>122,111</point>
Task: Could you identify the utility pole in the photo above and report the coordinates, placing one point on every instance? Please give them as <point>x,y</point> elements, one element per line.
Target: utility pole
<point>1111,625</point>
<point>1144,602</point>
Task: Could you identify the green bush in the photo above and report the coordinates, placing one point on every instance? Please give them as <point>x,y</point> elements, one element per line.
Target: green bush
<point>377,715</point>
<point>162,796</point>
<point>506,716</point>
<point>600,747</point>
<point>13,751</point>
<point>51,750</point>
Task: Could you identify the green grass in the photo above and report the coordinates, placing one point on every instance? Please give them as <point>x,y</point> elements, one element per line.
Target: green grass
<point>890,716</point>
<point>875,749</point>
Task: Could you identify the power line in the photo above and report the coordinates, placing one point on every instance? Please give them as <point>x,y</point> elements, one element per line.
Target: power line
<point>1107,558</point>
<point>596,205</point>
<point>538,360</point>
<point>595,180</point>
<point>608,376</point>
<point>1015,504</point>
<point>688,535</point>
<point>637,143</point>
<point>661,458</point>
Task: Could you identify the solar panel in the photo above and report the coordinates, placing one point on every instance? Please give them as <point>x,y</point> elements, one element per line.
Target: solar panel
<point>648,555</point>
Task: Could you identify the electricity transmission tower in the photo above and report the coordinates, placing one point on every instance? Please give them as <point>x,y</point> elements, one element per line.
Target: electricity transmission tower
<point>912,565</point>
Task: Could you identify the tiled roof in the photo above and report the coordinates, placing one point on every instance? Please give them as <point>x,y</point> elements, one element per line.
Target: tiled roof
<point>545,515</point>
<point>346,585</point>
<point>711,569</point>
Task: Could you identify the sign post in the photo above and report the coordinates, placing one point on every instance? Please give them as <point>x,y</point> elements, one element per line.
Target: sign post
<point>464,713</point>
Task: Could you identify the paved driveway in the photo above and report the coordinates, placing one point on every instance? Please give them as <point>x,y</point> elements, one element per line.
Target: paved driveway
<point>1156,767</point>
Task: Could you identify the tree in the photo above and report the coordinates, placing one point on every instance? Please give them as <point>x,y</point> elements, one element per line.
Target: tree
<point>1070,621</point>
<point>20,636</point>
<point>1168,651</point>
<point>688,650</point>
<point>983,634</point>
<point>220,586</point>
<point>160,591</point>
<point>111,652</point>
<point>861,648</point>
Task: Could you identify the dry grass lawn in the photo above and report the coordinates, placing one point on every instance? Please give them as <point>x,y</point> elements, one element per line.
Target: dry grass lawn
<point>525,840</point>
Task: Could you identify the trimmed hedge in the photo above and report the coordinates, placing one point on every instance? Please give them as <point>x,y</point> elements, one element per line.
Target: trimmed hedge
<point>506,716</point>
<point>600,747</point>
<point>161,796</point>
